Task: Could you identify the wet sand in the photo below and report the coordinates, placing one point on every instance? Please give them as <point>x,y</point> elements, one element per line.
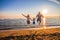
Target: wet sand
<point>34,33</point>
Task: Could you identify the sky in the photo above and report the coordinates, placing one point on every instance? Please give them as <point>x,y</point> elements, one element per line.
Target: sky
<point>14,8</point>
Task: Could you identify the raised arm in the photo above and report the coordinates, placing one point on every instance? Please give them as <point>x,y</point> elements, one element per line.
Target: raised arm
<point>42,16</point>
<point>36,15</point>
<point>24,15</point>
<point>30,19</point>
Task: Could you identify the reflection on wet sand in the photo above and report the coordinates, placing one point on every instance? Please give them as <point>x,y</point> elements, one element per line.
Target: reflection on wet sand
<point>33,34</point>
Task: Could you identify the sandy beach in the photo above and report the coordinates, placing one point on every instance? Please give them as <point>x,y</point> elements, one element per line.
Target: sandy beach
<point>48,33</point>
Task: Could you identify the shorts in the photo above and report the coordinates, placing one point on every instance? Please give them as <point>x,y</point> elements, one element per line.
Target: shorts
<point>33,22</point>
<point>28,22</point>
<point>39,20</point>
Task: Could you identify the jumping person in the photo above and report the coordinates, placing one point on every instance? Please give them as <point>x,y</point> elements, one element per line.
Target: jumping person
<point>28,18</point>
<point>39,17</point>
<point>33,20</point>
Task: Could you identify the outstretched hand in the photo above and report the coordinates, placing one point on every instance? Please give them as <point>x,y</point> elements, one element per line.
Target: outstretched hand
<point>23,15</point>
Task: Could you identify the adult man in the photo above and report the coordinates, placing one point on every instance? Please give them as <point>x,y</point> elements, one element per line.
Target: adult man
<point>39,18</point>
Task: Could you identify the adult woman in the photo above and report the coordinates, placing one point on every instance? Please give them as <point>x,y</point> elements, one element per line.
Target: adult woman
<point>28,18</point>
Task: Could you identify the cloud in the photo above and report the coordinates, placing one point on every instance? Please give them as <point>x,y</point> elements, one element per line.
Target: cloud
<point>56,1</point>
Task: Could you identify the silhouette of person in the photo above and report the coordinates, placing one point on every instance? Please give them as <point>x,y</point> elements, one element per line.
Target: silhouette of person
<point>39,17</point>
<point>33,20</point>
<point>28,18</point>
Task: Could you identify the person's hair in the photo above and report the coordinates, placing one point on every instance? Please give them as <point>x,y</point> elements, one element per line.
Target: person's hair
<point>39,13</point>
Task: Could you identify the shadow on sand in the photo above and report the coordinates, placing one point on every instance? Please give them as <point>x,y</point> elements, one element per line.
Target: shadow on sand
<point>35,36</point>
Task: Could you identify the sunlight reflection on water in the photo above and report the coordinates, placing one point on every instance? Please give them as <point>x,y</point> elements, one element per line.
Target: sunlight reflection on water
<point>44,23</point>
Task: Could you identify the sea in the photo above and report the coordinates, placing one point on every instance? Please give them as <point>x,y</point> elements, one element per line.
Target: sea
<point>21,23</point>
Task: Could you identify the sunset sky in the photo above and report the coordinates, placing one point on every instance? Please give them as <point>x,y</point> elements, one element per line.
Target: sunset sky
<point>14,8</point>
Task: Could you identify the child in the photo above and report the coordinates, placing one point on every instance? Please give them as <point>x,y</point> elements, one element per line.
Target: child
<point>33,20</point>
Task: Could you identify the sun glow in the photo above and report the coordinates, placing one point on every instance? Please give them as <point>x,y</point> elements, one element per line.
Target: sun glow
<point>44,21</point>
<point>44,11</point>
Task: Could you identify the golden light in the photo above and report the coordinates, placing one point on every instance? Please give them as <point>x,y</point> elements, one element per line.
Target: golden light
<point>45,27</point>
<point>44,23</point>
<point>44,11</point>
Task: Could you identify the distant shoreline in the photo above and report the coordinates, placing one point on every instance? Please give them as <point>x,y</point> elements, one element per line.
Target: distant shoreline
<point>28,27</point>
